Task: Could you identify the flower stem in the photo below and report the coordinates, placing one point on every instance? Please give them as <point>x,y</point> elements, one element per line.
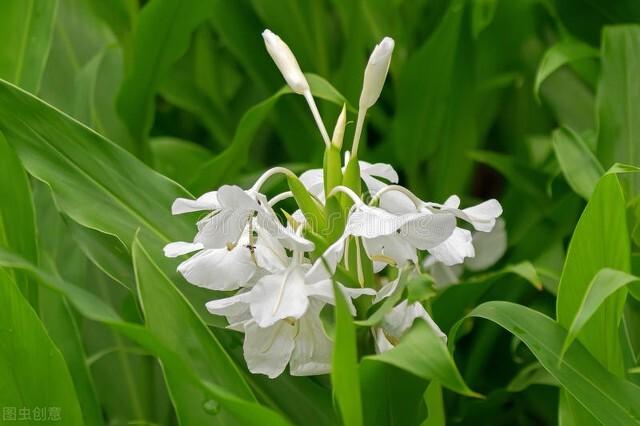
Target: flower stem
<point>316,116</point>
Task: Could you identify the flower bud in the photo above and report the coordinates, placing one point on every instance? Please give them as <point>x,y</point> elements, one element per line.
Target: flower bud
<point>376,72</point>
<point>286,62</point>
<point>338,131</point>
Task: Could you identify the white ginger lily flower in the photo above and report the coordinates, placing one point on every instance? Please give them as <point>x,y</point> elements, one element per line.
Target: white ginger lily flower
<point>458,245</point>
<point>230,267</point>
<point>280,316</point>
<point>290,70</point>
<point>400,319</point>
<point>394,239</point>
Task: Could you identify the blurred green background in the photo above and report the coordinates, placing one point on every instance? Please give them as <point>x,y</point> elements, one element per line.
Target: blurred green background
<point>475,91</point>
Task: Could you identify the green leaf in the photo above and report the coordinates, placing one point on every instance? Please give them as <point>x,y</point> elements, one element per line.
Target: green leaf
<point>25,31</point>
<point>618,99</point>
<point>163,32</point>
<point>600,240</point>
<point>579,166</point>
<point>177,158</point>
<point>170,317</point>
<point>17,221</point>
<point>391,396</point>
<point>175,366</point>
<point>444,69</point>
<point>482,14</point>
<point>562,53</point>
<point>610,399</point>
<point>423,353</point>
<point>605,283</point>
<point>532,374</point>
<point>390,301</point>
<point>32,370</point>
<point>344,371</point>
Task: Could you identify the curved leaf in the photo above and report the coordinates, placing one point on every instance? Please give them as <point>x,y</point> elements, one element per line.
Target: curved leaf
<point>560,54</point>
<point>91,307</point>
<point>423,353</point>
<point>580,167</point>
<point>610,399</point>
<point>606,282</point>
<point>32,370</point>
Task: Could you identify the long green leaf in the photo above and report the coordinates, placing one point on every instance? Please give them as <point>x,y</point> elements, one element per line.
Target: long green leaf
<point>560,54</point>
<point>32,370</point>
<point>162,36</point>
<point>618,100</point>
<point>17,221</point>
<point>579,166</point>
<point>605,283</point>
<point>173,320</point>
<point>25,30</point>
<point>91,307</point>
<point>610,399</point>
<point>344,371</point>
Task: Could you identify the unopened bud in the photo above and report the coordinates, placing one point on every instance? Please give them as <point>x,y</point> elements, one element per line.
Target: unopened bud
<point>338,131</point>
<point>286,62</point>
<point>376,73</point>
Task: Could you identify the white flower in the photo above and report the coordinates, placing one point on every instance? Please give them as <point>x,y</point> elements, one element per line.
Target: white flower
<point>286,62</point>
<point>230,267</point>
<point>393,239</point>
<point>376,72</point>
<point>400,319</point>
<point>482,216</point>
<point>280,316</point>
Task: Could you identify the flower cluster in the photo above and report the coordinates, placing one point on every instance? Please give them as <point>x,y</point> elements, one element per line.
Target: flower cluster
<point>283,275</point>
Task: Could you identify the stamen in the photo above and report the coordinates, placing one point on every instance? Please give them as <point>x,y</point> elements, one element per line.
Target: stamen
<point>266,175</point>
<point>416,201</point>
<point>354,197</point>
<point>280,197</point>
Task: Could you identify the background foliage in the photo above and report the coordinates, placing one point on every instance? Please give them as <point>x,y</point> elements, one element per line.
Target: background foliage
<point>140,102</point>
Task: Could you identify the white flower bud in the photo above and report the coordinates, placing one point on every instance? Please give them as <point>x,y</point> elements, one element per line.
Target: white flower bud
<point>338,131</point>
<point>376,72</point>
<point>286,62</point>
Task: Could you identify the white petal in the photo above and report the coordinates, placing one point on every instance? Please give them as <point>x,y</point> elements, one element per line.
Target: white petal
<point>268,220</point>
<point>386,290</point>
<point>489,247</point>
<point>483,216</point>
<point>312,352</point>
<point>454,250</point>
<point>332,256</point>
<point>444,275</point>
<point>234,197</point>
<point>323,291</point>
<point>270,254</point>
<point>229,306</point>
<point>223,228</point>
<point>397,203</point>
<point>394,247</point>
<point>268,350</point>
<point>382,170</point>
<point>179,248</point>
<point>428,230</point>
<point>313,181</point>
<point>219,269</point>
<point>208,201</point>
<point>276,297</point>
<point>382,343</point>
<point>401,317</point>
<point>370,222</point>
